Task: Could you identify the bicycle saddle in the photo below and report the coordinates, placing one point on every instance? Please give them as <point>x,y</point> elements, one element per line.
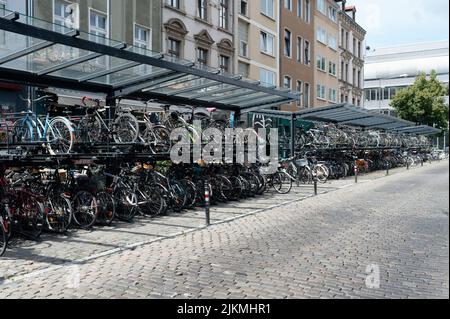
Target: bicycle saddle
<point>211,109</point>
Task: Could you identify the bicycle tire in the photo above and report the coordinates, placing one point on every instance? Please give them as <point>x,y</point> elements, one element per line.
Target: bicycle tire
<point>85,209</point>
<point>60,136</point>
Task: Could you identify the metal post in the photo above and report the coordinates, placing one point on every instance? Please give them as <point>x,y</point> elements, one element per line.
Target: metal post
<point>293,120</point>
<point>315,185</point>
<point>421,161</point>
<point>356,172</point>
<point>207,203</point>
<point>388,166</point>
<point>407,163</point>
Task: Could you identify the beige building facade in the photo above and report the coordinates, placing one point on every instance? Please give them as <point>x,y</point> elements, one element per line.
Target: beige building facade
<point>352,49</point>
<point>326,53</point>
<point>200,31</point>
<point>257,40</point>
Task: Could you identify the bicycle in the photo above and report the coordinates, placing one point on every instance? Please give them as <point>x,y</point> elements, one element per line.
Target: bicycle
<point>57,134</point>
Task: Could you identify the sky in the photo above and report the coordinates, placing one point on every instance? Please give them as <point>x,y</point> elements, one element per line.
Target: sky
<point>393,22</point>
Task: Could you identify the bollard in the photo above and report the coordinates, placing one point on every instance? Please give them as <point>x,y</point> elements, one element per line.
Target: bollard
<point>356,173</point>
<point>315,185</point>
<point>421,161</point>
<point>407,163</point>
<point>388,165</point>
<point>207,203</point>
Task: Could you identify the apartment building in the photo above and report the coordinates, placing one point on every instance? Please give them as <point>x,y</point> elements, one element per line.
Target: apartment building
<point>257,40</point>
<point>326,53</point>
<point>297,50</point>
<point>351,64</point>
<point>200,31</point>
<point>135,22</point>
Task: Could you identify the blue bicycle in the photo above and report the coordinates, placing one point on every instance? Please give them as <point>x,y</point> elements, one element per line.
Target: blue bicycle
<point>57,134</point>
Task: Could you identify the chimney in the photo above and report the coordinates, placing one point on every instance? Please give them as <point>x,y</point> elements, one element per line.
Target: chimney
<point>353,11</point>
<point>344,2</point>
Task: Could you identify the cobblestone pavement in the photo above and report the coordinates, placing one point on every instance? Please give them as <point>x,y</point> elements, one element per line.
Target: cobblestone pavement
<point>294,246</point>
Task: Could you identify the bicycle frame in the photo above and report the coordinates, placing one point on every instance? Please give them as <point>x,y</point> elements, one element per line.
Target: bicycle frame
<point>33,122</point>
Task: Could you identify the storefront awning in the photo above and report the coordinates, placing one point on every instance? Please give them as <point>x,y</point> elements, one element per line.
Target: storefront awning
<point>39,53</point>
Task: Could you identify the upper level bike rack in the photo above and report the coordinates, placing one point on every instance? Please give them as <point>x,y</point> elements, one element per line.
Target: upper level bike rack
<point>349,115</point>
<point>42,54</point>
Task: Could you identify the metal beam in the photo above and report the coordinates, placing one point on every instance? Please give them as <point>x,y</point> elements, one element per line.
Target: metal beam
<point>139,87</point>
<point>220,91</point>
<point>30,79</point>
<point>12,16</point>
<point>26,51</point>
<point>264,106</point>
<point>109,71</point>
<point>194,88</point>
<point>47,35</point>
<point>271,101</point>
<point>81,59</point>
<point>245,98</point>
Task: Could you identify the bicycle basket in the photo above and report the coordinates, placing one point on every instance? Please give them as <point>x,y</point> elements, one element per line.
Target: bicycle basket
<point>301,162</point>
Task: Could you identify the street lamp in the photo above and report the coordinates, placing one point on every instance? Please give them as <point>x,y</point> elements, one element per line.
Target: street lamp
<point>381,91</point>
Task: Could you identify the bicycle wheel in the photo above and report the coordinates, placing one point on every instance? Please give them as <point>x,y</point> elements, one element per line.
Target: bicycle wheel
<point>31,214</point>
<point>162,142</point>
<point>226,189</point>
<point>150,201</point>
<point>106,208</point>
<point>59,216</point>
<point>178,196</point>
<point>85,210</point>
<point>282,183</point>
<point>21,133</point>
<point>60,136</point>
<point>126,129</point>
<point>305,175</point>
<point>190,191</point>
<point>127,204</point>
<point>3,229</point>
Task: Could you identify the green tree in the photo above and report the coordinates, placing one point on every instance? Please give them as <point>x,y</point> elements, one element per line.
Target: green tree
<point>423,102</point>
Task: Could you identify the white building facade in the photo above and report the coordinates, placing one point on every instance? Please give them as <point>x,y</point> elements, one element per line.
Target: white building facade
<point>388,70</point>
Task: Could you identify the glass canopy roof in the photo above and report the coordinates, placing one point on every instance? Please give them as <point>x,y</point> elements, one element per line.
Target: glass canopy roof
<point>45,54</point>
<point>347,114</point>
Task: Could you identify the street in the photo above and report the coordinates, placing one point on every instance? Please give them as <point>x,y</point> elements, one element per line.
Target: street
<point>386,237</point>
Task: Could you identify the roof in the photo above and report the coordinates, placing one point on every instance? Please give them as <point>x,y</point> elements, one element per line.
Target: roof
<point>40,53</point>
<point>347,114</point>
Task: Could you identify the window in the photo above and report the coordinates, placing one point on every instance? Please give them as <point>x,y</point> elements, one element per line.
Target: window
<point>224,63</point>
<point>359,79</point>
<point>342,71</point>
<point>142,37</point>
<point>174,3</point>
<point>224,14</point>
<point>321,92</point>
<point>307,53</point>
<point>266,76</point>
<point>63,16</point>
<point>347,37</point>
<point>332,42</point>
<point>243,7</point>
<point>174,48</point>
<point>354,47</point>
<point>346,72</point>
<point>288,4</point>
<point>342,37</point>
<point>2,13</point>
<point>306,95</point>
<point>321,6</point>
<point>332,95</point>
<point>299,8</point>
<point>321,63</point>
<point>299,89</point>
<point>243,69</point>
<point>202,56</point>
<point>307,11</point>
<point>332,14</point>
<point>287,82</point>
<point>268,8</point>
<point>332,68</point>
<point>267,43</point>
<point>299,49</point>
<point>322,35</point>
<point>98,27</point>
<point>287,43</point>
<point>202,9</point>
<point>354,77</point>
<point>359,49</point>
<point>243,39</point>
